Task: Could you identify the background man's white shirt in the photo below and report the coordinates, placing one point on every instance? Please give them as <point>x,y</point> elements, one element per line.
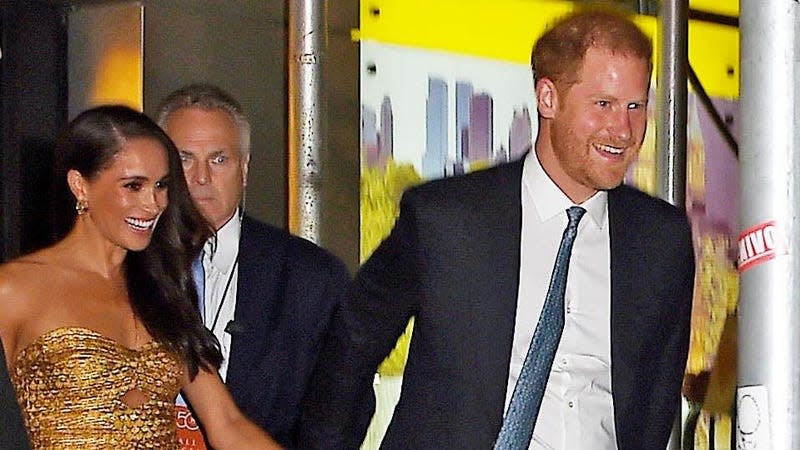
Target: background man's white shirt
<point>221,276</point>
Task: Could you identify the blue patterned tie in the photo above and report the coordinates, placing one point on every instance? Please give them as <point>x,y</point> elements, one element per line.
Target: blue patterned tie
<point>199,275</point>
<point>518,425</point>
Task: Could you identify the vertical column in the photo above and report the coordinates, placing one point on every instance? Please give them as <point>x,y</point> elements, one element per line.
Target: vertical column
<point>768,404</point>
<point>307,37</point>
<point>671,95</point>
<point>671,100</point>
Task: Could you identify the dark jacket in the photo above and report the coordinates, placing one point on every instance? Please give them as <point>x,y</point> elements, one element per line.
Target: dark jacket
<point>452,261</point>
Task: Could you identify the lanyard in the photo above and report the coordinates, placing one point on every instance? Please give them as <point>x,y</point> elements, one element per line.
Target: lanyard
<point>224,294</point>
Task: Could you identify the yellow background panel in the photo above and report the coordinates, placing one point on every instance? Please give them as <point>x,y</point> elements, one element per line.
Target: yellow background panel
<point>725,7</point>
<point>507,29</point>
<point>502,29</point>
<point>714,55</point>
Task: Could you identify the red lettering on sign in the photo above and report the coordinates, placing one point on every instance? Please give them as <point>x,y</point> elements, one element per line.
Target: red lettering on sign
<point>760,244</point>
<point>189,435</point>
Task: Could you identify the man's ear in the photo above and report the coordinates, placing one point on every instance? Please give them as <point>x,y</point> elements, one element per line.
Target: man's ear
<point>245,168</point>
<point>77,184</point>
<point>546,98</point>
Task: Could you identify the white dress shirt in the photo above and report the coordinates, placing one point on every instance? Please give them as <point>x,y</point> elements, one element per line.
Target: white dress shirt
<point>220,263</point>
<point>577,409</point>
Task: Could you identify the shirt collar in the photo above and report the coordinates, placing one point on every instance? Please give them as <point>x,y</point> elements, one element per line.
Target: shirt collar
<point>222,248</point>
<point>549,201</point>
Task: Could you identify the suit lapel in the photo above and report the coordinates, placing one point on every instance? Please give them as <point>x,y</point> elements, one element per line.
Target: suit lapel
<point>498,267</point>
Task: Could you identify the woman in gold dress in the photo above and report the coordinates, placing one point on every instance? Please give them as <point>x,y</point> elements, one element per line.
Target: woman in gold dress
<point>100,329</point>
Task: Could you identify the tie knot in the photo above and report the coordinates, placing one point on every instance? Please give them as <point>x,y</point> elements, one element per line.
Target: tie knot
<point>575,213</point>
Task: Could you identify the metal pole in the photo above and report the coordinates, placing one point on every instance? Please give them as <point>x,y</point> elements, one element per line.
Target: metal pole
<point>671,96</point>
<point>671,120</point>
<point>769,332</point>
<point>307,39</point>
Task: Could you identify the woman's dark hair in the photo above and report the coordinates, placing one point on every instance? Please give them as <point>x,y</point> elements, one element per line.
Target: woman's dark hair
<point>159,278</point>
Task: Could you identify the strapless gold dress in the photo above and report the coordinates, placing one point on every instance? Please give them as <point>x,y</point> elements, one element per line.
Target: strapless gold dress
<point>71,383</point>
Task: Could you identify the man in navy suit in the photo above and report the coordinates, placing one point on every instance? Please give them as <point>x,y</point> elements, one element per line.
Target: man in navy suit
<point>471,258</point>
<point>267,296</point>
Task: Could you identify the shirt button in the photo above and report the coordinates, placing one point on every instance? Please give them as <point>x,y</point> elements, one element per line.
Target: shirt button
<point>569,309</point>
<point>563,361</point>
<point>571,404</point>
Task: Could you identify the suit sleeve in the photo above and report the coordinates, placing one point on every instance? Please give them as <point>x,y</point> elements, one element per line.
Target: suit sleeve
<point>323,291</point>
<point>673,361</point>
<point>364,329</point>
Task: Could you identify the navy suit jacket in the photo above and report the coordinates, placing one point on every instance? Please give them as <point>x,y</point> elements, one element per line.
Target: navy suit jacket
<point>452,261</point>
<point>287,291</point>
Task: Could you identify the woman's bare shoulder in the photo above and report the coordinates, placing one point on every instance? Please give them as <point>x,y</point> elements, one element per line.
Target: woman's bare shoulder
<point>24,286</point>
<point>27,278</point>
<point>21,272</point>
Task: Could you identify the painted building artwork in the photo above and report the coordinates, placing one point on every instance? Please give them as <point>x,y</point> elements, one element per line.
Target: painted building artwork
<point>430,114</point>
<point>443,114</point>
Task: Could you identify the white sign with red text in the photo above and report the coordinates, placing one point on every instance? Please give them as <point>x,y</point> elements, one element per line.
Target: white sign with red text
<point>760,244</point>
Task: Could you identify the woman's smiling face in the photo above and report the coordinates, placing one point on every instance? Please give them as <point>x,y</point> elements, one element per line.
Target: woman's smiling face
<point>126,198</point>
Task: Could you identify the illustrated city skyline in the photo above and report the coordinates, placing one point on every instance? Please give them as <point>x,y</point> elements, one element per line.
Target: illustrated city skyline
<point>472,123</point>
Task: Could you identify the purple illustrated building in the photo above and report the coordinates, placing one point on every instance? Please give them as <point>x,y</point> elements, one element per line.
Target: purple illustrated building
<point>369,137</point>
<point>479,145</point>
<point>386,136</point>
<point>519,136</point>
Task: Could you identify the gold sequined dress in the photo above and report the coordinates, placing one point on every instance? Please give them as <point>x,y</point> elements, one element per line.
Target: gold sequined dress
<point>72,384</point>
